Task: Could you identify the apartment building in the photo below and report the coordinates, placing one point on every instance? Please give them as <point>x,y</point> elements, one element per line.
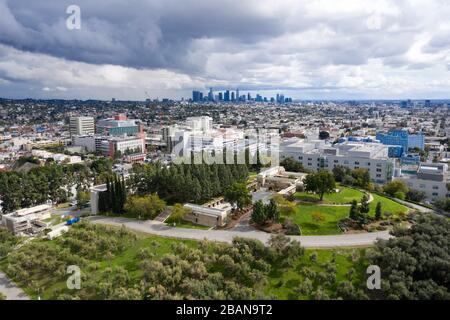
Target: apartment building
<point>316,155</point>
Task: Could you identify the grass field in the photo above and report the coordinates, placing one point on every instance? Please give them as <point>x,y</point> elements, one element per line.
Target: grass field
<point>304,215</point>
<point>344,196</point>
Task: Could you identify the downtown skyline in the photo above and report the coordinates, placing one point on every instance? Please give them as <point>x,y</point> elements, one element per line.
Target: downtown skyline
<point>303,49</point>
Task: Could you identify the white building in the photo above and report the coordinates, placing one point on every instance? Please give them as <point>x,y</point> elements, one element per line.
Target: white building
<point>81,125</point>
<point>316,155</point>
<point>430,178</point>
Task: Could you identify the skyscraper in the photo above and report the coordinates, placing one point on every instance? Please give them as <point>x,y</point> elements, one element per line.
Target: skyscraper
<point>227,95</point>
<point>220,96</point>
<point>197,96</point>
<point>210,95</point>
<point>237,94</point>
<point>232,96</point>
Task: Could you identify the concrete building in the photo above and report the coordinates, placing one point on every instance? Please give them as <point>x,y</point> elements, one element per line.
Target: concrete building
<point>208,216</point>
<point>26,220</point>
<point>431,178</point>
<point>280,180</point>
<point>95,191</point>
<point>119,126</point>
<point>316,155</point>
<point>109,145</point>
<point>81,126</point>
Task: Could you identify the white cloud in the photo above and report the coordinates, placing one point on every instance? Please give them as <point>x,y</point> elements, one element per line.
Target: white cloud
<point>371,48</point>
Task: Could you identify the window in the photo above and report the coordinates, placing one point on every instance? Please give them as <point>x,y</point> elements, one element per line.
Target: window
<point>300,158</point>
<point>336,161</point>
<point>435,187</point>
<point>378,175</point>
<point>435,194</point>
<point>357,162</point>
<point>378,170</point>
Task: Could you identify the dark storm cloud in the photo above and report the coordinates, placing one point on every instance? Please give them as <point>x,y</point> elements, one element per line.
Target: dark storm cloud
<point>150,34</point>
<point>254,44</point>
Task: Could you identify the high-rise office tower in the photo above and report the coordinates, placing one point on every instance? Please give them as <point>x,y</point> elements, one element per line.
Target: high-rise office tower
<point>197,96</point>
<point>227,95</point>
<point>232,96</point>
<point>210,95</point>
<point>237,94</point>
<point>220,96</point>
<point>249,97</point>
<point>81,125</point>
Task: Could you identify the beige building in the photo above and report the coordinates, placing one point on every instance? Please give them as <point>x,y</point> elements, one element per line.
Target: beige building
<point>26,220</point>
<point>213,216</point>
<point>82,126</point>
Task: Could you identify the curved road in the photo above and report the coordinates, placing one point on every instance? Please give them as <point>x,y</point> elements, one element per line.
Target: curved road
<point>160,229</point>
<point>8,288</point>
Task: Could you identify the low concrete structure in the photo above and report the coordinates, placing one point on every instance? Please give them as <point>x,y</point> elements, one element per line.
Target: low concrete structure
<point>57,232</point>
<point>26,220</point>
<point>208,216</point>
<point>95,191</point>
<point>276,178</point>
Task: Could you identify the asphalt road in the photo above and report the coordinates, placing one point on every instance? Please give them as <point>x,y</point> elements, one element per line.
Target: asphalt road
<point>157,228</point>
<point>8,288</point>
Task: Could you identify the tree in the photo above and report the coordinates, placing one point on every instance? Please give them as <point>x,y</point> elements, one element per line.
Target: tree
<point>364,205</point>
<point>272,211</point>
<point>323,135</point>
<point>144,207</point>
<point>414,262</point>
<point>378,211</point>
<point>395,187</point>
<point>415,195</point>
<point>239,195</point>
<point>83,197</point>
<point>340,173</point>
<point>179,212</point>
<point>318,217</point>
<point>290,164</point>
<point>354,211</point>
<point>321,182</point>
<point>361,178</point>
<point>259,213</point>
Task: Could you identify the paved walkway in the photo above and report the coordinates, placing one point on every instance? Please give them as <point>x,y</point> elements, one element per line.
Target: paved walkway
<point>162,217</point>
<point>157,228</point>
<point>8,288</point>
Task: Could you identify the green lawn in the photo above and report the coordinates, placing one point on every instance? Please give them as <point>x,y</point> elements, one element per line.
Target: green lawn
<point>345,195</point>
<point>304,218</point>
<point>332,215</point>
<point>283,283</point>
<point>387,205</point>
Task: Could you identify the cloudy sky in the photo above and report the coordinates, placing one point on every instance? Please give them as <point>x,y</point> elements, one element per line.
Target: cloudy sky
<point>165,48</point>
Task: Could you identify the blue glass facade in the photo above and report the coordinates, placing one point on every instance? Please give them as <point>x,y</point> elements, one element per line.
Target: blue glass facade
<point>402,138</point>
